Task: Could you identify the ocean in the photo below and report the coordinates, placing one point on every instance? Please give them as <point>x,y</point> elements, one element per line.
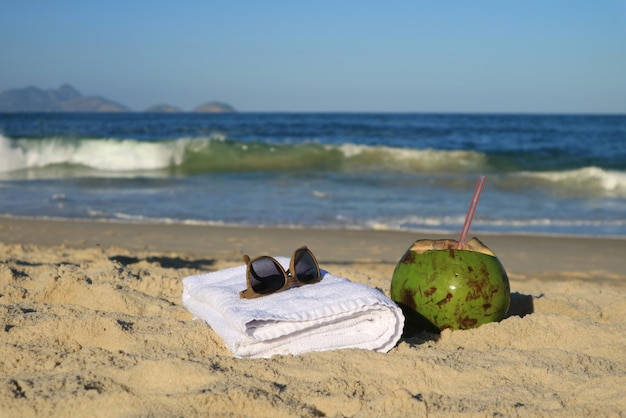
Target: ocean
<point>545,174</point>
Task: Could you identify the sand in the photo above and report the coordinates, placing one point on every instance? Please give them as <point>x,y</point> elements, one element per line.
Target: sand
<point>92,325</point>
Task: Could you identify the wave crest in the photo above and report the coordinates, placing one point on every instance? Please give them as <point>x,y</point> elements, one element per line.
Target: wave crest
<point>406,159</point>
<point>218,154</point>
<point>99,154</point>
<point>586,178</point>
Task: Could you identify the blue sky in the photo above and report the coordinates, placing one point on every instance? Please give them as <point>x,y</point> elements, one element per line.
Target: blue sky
<point>565,56</point>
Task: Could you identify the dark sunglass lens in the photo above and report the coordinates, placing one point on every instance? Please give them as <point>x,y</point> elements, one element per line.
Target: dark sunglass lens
<point>266,276</point>
<point>305,266</point>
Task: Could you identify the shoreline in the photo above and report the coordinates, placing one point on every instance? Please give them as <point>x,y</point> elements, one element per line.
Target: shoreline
<point>526,253</point>
<point>211,224</point>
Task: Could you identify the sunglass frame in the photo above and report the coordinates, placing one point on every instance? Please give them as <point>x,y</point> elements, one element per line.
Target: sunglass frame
<point>289,279</point>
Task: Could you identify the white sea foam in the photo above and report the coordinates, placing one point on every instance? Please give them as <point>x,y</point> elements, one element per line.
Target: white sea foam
<point>99,154</point>
<point>587,178</point>
<point>415,159</point>
<point>453,223</point>
<point>11,158</point>
<point>104,155</point>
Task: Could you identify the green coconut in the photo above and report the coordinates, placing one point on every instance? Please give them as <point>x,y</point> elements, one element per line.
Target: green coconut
<point>439,286</point>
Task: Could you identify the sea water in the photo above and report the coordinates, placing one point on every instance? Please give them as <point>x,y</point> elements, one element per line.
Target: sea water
<point>546,174</point>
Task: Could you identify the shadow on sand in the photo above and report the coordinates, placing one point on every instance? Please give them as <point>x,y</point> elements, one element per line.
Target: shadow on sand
<point>165,262</point>
<point>418,330</point>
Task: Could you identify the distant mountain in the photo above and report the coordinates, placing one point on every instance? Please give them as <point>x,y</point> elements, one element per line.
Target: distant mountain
<point>64,99</point>
<point>67,99</point>
<point>214,107</point>
<point>163,108</point>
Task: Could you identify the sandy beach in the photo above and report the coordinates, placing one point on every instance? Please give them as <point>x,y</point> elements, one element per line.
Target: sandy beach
<point>93,325</point>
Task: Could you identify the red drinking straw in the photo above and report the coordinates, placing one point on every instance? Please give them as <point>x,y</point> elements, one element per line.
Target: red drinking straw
<point>470,212</point>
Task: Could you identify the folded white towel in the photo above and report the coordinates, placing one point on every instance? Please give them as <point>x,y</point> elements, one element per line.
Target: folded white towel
<point>332,314</point>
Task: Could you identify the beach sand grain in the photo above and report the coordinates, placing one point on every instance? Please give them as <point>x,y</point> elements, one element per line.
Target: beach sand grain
<point>92,325</point>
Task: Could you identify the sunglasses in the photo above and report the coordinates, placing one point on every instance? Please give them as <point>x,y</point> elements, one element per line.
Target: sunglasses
<point>265,275</point>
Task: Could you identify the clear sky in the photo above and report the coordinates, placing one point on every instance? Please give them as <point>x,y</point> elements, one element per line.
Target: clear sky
<point>343,55</point>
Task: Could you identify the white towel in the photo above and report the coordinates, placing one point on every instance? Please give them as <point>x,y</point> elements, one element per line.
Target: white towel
<point>330,315</point>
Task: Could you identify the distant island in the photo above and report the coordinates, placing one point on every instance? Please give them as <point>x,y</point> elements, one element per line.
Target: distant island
<point>64,99</point>
<point>214,107</point>
<point>163,108</point>
<point>67,99</point>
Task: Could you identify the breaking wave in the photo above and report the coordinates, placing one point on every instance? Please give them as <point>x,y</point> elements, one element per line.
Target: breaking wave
<point>218,154</point>
<point>586,178</point>
<point>58,157</point>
